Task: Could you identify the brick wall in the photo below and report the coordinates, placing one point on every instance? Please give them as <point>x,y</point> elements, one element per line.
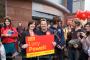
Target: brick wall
<point>19,11</point>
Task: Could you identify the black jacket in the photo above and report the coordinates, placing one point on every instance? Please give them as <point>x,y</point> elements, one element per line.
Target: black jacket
<point>22,41</point>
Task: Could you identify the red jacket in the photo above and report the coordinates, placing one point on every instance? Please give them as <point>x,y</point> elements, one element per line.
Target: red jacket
<point>13,35</point>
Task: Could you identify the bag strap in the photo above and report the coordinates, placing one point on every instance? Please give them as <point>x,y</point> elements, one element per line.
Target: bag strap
<point>55,32</point>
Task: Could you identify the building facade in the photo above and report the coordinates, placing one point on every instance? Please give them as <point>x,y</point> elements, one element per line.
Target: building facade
<point>73,6</point>
<point>19,11</point>
<point>24,10</point>
<point>48,9</point>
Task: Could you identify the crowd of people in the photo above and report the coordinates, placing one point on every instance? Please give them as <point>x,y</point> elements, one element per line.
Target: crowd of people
<point>71,42</point>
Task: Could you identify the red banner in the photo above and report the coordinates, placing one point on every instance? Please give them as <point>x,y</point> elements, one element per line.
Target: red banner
<point>39,45</point>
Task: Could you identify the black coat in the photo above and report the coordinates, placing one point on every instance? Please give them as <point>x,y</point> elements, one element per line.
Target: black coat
<point>22,41</point>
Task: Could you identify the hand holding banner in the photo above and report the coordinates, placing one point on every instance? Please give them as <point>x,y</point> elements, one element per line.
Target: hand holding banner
<point>39,45</point>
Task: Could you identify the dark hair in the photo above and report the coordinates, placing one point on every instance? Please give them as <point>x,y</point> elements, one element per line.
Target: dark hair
<point>56,19</point>
<point>77,23</point>
<point>6,18</point>
<point>43,19</point>
<point>30,22</point>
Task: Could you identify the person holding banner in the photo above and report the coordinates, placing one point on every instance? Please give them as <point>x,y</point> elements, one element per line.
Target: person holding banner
<point>9,35</point>
<point>44,31</point>
<point>30,32</point>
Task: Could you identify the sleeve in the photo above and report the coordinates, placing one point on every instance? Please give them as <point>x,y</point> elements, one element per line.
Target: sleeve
<point>22,40</point>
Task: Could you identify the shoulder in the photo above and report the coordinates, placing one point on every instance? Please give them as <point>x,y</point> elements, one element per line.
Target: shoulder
<point>25,33</point>
<point>50,31</point>
<point>60,30</point>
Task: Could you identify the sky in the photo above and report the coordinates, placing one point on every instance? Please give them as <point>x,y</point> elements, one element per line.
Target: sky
<point>87,5</point>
